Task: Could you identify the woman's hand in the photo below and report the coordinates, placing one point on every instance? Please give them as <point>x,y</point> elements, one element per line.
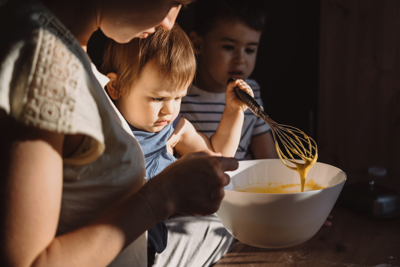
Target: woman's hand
<point>231,99</point>
<point>192,185</point>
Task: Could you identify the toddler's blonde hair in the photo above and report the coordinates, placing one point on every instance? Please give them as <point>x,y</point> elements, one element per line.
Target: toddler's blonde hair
<point>170,51</point>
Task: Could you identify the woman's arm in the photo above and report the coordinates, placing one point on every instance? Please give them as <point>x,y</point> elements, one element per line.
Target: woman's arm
<point>31,182</point>
<point>263,146</point>
<point>30,200</point>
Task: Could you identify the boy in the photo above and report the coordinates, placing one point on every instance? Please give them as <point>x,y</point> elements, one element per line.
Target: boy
<point>225,38</point>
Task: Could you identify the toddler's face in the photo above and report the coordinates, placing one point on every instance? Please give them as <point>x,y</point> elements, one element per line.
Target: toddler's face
<point>152,102</point>
<point>229,50</point>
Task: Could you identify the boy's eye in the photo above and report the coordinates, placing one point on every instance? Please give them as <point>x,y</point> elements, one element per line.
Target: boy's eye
<point>228,47</point>
<point>158,99</point>
<point>250,50</point>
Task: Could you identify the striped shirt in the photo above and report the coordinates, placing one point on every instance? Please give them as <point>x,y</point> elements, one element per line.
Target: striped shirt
<point>204,110</point>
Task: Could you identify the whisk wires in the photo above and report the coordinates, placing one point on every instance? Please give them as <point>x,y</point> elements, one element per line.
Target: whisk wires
<point>294,143</point>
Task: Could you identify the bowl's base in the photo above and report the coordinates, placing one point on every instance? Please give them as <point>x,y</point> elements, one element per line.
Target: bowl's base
<point>273,243</point>
<point>258,245</point>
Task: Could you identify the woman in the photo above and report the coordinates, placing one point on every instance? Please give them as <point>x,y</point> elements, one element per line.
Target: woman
<point>72,178</point>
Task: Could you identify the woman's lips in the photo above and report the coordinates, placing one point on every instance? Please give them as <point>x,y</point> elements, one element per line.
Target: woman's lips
<point>144,35</point>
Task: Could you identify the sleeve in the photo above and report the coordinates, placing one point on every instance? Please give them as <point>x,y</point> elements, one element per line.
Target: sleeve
<point>44,85</point>
<point>260,127</point>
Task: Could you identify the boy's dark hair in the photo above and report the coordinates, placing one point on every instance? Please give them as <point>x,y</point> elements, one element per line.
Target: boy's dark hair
<point>209,12</point>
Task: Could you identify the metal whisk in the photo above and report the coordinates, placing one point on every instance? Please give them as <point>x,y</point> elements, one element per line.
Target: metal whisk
<point>293,141</point>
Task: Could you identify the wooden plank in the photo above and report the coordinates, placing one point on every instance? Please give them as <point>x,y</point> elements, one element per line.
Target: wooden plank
<point>359,92</point>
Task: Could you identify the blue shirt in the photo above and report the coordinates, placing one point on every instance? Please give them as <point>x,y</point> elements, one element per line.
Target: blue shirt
<point>154,146</point>
<point>157,158</point>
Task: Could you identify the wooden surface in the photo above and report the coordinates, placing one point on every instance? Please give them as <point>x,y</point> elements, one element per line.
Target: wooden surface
<point>353,240</point>
<point>359,92</point>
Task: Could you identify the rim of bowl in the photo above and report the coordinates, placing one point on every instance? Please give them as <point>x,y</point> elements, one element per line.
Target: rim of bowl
<point>305,192</point>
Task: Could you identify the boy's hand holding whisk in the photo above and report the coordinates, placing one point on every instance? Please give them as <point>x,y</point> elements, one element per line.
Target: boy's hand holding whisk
<point>231,99</point>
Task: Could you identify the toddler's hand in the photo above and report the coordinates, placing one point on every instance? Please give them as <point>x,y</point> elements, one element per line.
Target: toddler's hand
<point>231,99</point>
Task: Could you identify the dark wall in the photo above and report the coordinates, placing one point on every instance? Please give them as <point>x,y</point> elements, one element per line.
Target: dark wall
<point>359,100</point>
<point>287,61</point>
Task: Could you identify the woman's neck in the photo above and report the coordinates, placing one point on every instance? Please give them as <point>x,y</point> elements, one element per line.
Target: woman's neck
<point>80,17</point>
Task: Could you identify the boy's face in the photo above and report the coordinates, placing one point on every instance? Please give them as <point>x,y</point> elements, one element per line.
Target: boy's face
<point>152,102</point>
<point>229,50</point>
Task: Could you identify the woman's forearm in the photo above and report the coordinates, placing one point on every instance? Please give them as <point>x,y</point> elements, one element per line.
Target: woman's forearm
<point>98,243</point>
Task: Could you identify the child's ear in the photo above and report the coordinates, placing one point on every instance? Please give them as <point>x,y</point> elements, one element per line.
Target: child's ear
<point>197,42</point>
<point>112,85</point>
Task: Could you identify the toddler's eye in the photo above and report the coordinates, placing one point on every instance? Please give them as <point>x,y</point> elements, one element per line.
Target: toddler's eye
<point>158,99</point>
<point>228,47</point>
<point>250,50</point>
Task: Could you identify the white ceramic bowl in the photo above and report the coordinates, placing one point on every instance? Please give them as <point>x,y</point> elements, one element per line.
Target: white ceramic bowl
<point>278,220</point>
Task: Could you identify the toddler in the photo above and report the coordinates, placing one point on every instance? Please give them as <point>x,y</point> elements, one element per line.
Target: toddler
<point>225,38</point>
<point>148,79</point>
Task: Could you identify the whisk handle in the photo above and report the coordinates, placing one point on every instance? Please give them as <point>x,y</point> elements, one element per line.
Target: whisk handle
<point>253,105</point>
